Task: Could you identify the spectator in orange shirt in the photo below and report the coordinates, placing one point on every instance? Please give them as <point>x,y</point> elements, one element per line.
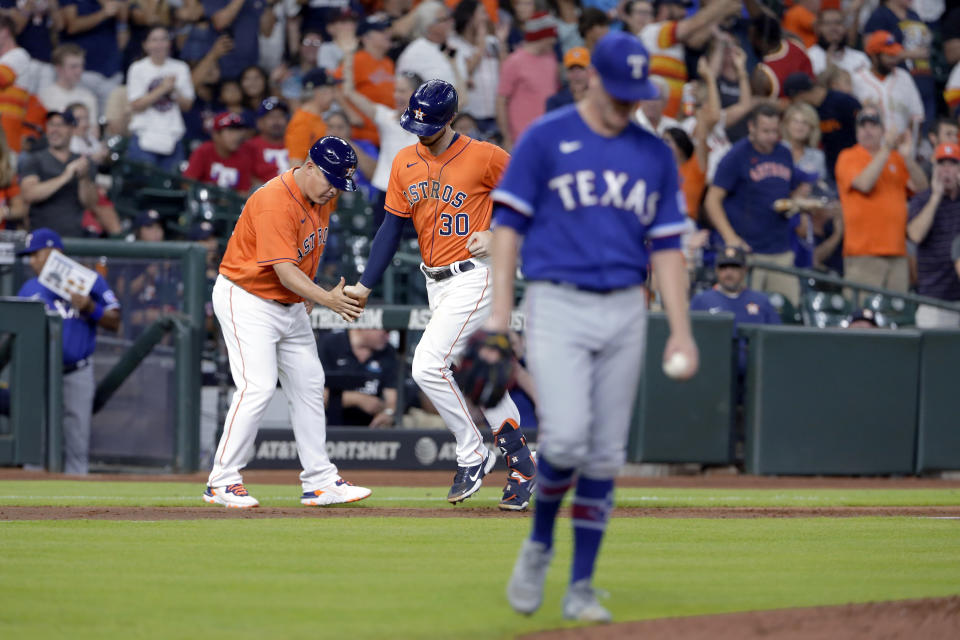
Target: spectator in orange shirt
<point>692,165</point>
<point>13,207</point>
<point>800,18</point>
<point>874,179</point>
<point>373,72</point>
<point>307,125</point>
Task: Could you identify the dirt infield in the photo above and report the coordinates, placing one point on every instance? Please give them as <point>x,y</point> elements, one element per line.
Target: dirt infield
<point>928,618</point>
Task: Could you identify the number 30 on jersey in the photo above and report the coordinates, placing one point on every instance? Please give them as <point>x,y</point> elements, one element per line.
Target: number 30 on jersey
<point>454,224</point>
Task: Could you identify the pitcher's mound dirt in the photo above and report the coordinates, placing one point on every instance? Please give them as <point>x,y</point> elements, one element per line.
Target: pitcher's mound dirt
<point>906,619</point>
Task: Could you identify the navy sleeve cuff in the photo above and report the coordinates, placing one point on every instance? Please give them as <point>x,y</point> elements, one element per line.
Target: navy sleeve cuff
<point>510,217</point>
<point>665,243</point>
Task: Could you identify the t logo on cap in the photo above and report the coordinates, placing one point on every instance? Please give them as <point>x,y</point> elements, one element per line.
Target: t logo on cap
<point>638,62</point>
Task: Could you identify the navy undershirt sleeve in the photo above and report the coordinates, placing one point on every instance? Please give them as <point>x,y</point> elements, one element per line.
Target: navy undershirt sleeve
<point>385,244</point>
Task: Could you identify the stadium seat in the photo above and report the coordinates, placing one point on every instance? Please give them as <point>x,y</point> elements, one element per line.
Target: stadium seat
<point>788,313</point>
<point>820,309</point>
<point>896,312</point>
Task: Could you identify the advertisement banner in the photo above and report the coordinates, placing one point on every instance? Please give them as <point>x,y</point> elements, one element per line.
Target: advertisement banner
<point>362,448</point>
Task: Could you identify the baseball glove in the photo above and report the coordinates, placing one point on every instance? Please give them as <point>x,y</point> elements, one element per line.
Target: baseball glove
<point>486,370</point>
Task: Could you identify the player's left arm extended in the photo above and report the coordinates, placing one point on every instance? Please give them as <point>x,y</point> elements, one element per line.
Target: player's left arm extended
<point>671,273</point>
<point>384,245</point>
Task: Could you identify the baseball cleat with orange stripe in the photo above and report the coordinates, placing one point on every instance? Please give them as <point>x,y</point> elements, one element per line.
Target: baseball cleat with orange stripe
<point>232,496</point>
<point>340,492</point>
<point>516,493</point>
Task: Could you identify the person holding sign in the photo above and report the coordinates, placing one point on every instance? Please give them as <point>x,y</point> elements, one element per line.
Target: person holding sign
<point>91,304</point>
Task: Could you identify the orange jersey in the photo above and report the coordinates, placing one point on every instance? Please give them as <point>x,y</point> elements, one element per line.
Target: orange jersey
<point>375,80</point>
<point>448,196</point>
<point>303,130</point>
<point>277,224</point>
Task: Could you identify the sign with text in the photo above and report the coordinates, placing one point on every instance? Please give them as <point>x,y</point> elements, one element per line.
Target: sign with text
<point>65,276</point>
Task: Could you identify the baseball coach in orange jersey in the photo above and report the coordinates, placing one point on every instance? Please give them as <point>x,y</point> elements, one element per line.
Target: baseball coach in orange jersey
<point>265,275</point>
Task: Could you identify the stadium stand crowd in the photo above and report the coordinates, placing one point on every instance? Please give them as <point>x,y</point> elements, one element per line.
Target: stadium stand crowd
<point>814,133</point>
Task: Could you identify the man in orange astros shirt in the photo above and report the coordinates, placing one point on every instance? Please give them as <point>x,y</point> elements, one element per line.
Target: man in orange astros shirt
<point>266,272</point>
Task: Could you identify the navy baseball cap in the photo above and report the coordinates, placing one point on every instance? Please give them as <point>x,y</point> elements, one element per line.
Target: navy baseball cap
<point>42,238</point>
<point>146,218</point>
<point>731,256</point>
<point>624,67</point>
<point>271,103</point>
<point>797,82</point>
<point>318,78</point>
<point>337,160</point>
<point>200,230</point>
<point>66,115</point>
<point>865,315</point>
<point>373,23</point>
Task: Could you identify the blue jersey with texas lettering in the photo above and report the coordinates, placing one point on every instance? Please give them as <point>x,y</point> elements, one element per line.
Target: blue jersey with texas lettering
<point>79,331</point>
<point>753,182</point>
<point>589,204</point>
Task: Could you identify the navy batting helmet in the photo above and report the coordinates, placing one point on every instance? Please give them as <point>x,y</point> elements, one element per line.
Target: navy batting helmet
<point>337,160</point>
<point>432,106</point>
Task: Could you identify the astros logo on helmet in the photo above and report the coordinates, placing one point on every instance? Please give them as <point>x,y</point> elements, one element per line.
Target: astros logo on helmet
<point>431,107</point>
<point>337,160</point>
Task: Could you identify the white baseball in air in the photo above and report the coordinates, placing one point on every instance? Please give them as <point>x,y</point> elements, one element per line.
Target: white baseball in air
<point>677,366</point>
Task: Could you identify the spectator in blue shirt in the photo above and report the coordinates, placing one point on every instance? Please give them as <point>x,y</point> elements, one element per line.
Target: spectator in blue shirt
<point>751,177</point>
<point>82,314</point>
<point>934,223</point>
<point>748,307</point>
<point>240,19</point>
<point>731,294</point>
<point>100,29</point>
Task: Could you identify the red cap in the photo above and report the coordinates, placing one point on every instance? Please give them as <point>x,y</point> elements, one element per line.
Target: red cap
<point>540,25</point>
<point>947,151</point>
<point>226,120</point>
<point>882,42</point>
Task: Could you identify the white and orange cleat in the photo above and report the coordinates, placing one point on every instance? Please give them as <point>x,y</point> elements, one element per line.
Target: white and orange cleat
<point>232,496</point>
<point>340,492</point>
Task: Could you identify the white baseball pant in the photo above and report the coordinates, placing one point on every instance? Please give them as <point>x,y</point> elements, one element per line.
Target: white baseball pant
<point>459,305</point>
<point>267,341</point>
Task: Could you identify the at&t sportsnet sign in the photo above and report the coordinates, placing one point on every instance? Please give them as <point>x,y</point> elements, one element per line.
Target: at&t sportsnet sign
<point>360,448</point>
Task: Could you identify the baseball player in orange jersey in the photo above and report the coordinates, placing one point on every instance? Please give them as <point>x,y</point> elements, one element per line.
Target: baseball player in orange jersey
<point>267,271</point>
<point>443,184</point>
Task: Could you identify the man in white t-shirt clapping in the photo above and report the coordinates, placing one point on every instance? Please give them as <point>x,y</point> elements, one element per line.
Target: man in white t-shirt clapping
<point>159,89</point>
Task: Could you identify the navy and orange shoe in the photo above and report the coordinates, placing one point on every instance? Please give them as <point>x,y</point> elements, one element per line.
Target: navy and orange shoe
<point>517,493</point>
<point>233,496</point>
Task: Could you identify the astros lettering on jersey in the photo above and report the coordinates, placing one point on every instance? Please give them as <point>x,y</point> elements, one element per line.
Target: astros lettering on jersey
<point>447,201</point>
<point>277,224</point>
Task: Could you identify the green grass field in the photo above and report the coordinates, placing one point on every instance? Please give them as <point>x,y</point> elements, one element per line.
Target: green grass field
<point>437,578</point>
<point>183,494</point>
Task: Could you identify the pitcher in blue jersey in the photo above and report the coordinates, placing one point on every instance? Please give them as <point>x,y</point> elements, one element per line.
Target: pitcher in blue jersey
<point>595,198</point>
<point>81,317</point>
